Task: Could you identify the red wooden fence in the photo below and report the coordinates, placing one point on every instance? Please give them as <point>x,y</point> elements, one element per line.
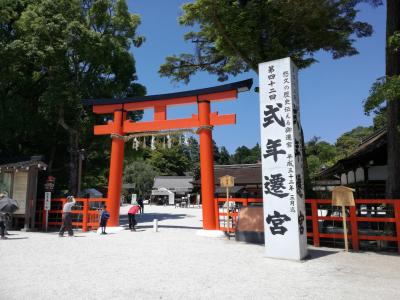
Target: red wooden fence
<point>87,213</point>
<point>389,214</point>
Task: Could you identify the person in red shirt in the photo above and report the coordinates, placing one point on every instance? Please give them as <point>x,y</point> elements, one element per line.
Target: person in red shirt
<point>131,216</point>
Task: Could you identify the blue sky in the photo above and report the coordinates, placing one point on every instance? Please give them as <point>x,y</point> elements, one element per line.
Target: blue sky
<point>331,91</point>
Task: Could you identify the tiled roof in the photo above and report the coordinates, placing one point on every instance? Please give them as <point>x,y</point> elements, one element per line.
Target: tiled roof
<point>21,163</point>
<point>244,174</point>
<point>173,182</point>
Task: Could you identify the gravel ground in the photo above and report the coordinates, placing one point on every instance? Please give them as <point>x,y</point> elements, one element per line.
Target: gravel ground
<point>175,263</point>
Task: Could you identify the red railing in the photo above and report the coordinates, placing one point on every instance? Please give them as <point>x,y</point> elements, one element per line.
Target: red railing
<point>354,218</point>
<point>222,213</point>
<point>86,217</point>
<point>315,215</point>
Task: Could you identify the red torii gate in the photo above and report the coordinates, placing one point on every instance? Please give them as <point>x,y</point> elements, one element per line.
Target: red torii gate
<point>204,121</point>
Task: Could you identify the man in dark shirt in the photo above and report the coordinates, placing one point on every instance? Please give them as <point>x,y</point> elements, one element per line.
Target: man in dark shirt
<point>140,202</point>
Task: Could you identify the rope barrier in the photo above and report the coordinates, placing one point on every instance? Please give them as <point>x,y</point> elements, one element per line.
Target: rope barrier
<point>126,138</point>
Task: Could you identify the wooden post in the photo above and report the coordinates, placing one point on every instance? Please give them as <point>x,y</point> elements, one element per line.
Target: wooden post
<point>397,216</point>
<point>354,228</point>
<point>227,211</point>
<point>217,213</point>
<point>85,214</point>
<point>116,168</point>
<point>206,166</point>
<point>44,219</point>
<point>346,244</point>
<point>315,226</point>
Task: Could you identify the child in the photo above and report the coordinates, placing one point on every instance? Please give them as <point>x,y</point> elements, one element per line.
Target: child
<point>104,216</point>
<point>131,214</point>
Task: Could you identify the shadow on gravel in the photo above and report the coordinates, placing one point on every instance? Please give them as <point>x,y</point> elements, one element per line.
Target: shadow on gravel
<point>17,238</point>
<point>315,254</point>
<point>149,217</point>
<point>169,226</point>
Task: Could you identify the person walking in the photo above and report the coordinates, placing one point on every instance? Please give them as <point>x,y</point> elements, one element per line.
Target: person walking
<point>131,215</point>
<point>2,226</point>
<point>67,217</point>
<point>141,205</point>
<point>104,216</point>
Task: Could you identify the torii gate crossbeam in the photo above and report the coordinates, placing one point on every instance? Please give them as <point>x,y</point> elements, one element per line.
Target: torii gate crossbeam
<point>205,120</point>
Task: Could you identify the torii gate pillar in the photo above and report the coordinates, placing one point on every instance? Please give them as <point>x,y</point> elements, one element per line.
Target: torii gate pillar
<point>206,166</point>
<point>116,169</point>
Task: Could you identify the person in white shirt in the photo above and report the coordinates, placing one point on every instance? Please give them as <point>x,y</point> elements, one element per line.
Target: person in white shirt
<point>67,217</point>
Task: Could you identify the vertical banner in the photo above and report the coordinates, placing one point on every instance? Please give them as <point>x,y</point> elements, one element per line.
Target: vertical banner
<point>282,161</point>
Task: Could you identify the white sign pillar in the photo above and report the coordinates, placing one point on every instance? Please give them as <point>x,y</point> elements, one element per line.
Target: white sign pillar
<point>282,161</point>
<point>47,207</point>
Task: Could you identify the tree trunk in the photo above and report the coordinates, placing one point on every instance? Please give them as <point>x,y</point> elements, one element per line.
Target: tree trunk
<point>393,107</point>
<point>73,162</point>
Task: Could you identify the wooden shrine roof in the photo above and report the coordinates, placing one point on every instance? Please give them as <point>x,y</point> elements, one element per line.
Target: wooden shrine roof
<point>239,86</point>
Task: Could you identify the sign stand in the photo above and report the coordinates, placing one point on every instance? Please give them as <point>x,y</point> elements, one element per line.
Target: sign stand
<point>47,206</point>
<point>49,188</point>
<point>227,182</point>
<point>343,196</point>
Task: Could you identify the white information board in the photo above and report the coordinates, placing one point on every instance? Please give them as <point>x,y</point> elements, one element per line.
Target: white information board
<point>282,161</point>
<point>47,200</point>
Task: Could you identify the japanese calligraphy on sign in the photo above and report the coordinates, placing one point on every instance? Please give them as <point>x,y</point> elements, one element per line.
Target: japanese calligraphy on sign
<point>282,160</point>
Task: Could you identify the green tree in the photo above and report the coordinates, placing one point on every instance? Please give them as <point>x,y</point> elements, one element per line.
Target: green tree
<point>244,155</point>
<point>141,174</point>
<point>57,53</point>
<point>192,152</point>
<point>235,36</point>
<point>385,94</point>
<point>169,161</point>
<point>349,141</point>
<point>224,156</point>
<point>319,154</point>
<point>216,154</point>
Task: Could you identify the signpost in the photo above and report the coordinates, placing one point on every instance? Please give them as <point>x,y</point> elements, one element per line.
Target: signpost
<point>227,182</point>
<point>343,196</point>
<point>282,161</point>
<point>49,188</point>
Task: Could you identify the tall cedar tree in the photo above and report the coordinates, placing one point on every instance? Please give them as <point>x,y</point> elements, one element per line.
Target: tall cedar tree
<point>385,98</point>
<point>393,107</point>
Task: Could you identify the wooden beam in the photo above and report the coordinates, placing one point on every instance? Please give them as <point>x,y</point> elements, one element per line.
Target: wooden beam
<point>104,129</point>
<point>159,103</point>
<point>160,113</point>
<point>106,109</point>
<point>216,119</point>
<point>131,127</point>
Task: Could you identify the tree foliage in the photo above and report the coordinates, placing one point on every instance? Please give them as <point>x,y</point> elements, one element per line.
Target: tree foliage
<point>235,36</point>
<point>141,174</point>
<point>382,90</point>
<point>321,154</point>
<point>349,141</point>
<point>169,161</point>
<point>54,54</point>
<point>244,155</point>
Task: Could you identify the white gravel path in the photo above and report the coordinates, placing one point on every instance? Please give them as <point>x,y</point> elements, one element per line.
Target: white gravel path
<point>175,263</point>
